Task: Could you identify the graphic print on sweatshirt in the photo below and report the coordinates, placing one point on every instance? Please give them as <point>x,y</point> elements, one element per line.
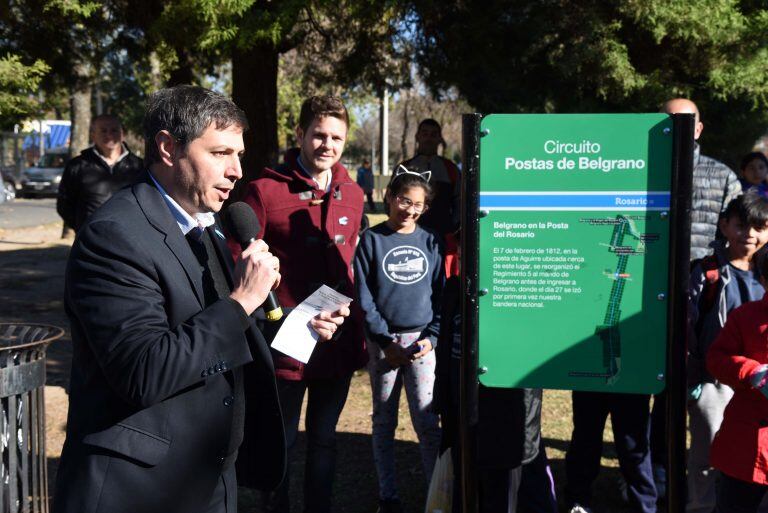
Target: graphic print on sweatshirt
<point>405,265</point>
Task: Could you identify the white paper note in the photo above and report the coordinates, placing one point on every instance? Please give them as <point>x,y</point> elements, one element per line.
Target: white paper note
<point>296,338</point>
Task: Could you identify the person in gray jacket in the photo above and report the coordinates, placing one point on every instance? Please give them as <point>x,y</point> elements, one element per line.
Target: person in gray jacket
<point>714,186</point>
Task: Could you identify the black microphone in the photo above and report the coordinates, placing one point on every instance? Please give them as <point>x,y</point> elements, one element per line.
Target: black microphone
<point>241,222</point>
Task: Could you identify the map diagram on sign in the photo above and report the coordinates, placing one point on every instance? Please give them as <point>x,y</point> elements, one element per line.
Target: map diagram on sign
<point>608,330</point>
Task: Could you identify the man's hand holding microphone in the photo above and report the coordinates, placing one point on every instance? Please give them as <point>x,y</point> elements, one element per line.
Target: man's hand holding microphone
<point>257,273</point>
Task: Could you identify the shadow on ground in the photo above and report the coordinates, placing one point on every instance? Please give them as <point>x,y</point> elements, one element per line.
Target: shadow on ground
<point>355,488</point>
<point>32,291</point>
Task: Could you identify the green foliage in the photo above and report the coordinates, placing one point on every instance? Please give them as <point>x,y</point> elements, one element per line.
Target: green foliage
<point>71,8</point>
<point>70,36</point>
<point>18,88</point>
<point>291,89</point>
<point>243,22</point>
<point>326,47</point>
<point>123,93</point>
<point>604,56</point>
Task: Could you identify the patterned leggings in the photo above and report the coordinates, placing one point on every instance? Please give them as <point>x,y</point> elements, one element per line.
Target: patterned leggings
<point>386,383</point>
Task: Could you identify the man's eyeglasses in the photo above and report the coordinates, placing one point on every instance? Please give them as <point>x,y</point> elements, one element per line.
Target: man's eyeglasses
<point>405,204</point>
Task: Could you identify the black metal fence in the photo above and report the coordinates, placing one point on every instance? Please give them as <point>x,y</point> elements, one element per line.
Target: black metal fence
<point>23,467</point>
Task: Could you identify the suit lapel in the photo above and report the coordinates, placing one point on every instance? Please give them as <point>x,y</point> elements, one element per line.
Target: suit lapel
<point>159,215</point>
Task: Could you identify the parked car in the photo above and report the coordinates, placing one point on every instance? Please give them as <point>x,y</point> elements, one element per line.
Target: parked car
<point>43,179</point>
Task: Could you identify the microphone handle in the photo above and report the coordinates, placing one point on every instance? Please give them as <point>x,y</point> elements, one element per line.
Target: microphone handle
<point>272,309</point>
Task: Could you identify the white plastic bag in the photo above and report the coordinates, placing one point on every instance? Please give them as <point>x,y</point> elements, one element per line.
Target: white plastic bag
<point>440,494</point>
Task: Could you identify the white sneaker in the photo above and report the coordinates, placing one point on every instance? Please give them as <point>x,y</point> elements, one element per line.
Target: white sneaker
<point>579,509</point>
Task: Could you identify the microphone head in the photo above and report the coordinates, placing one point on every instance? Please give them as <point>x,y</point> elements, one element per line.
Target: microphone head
<point>241,222</point>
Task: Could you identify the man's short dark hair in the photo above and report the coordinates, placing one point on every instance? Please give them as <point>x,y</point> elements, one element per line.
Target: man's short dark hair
<point>106,117</point>
<point>751,208</point>
<point>186,112</point>
<point>429,122</point>
<point>321,107</point>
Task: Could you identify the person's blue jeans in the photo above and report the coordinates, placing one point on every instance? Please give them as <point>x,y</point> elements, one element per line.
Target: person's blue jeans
<point>630,417</point>
<point>737,496</point>
<point>325,401</point>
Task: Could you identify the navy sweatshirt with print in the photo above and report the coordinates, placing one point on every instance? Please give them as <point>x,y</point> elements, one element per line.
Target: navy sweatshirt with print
<point>398,280</point>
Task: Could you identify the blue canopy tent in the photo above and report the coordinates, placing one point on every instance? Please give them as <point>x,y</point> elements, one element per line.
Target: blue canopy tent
<point>57,135</point>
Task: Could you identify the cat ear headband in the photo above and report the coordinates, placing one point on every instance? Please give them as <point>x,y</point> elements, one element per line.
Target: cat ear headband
<point>402,170</point>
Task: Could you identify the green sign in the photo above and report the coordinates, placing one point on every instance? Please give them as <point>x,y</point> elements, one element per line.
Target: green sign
<point>574,251</point>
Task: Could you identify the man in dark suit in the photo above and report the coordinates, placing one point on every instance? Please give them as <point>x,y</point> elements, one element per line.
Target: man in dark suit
<point>167,365</point>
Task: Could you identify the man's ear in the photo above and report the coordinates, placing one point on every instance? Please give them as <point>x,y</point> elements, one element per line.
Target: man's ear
<point>299,135</point>
<point>697,129</point>
<point>166,147</point>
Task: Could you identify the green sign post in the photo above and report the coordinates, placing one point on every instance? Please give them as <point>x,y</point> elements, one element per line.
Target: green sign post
<point>575,255</point>
<point>574,251</point>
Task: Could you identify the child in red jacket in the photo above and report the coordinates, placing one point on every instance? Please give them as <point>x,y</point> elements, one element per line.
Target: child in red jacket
<point>739,358</point>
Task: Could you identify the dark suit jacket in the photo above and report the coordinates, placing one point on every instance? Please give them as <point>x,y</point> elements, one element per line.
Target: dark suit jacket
<point>151,409</point>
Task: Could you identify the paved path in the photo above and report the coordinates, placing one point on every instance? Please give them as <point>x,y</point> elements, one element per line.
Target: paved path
<point>28,213</point>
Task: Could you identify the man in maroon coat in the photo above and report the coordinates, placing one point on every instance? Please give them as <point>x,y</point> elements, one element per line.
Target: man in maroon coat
<point>310,212</point>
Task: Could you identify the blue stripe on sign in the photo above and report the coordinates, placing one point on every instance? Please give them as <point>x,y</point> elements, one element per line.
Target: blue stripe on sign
<point>575,201</point>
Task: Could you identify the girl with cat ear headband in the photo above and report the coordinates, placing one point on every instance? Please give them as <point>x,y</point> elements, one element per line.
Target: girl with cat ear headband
<point>402,170</point>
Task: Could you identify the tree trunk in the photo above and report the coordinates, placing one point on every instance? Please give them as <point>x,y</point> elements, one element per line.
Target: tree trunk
<point>80,107</point>
<point>406,101</point>
<point>254,89</point>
